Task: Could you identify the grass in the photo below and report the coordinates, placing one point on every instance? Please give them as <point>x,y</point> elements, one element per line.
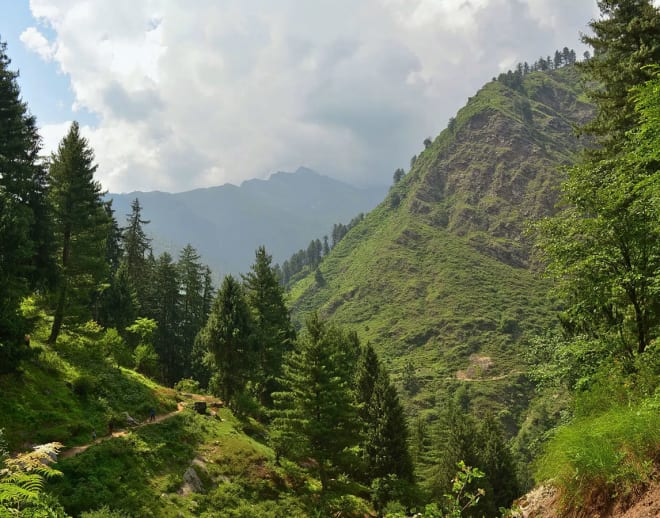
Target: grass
<point>70,390</point>
<point>594,460</point>
<point>445,274</point>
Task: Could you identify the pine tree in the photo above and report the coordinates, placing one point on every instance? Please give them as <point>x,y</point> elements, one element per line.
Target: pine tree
<point>625,40</point>
<point>496,461</point>
<point>314,414</point>
<point>118,302</point>
<point>366,374</point>
<point>81,228</point>
<point>166,311</point>
<point>273,328</point>
<point>26,252</point>
<point>456,440</point>
<point>386,445</point>
<point>228,335</point>
<point>137,247</point>
<point>192,313</point>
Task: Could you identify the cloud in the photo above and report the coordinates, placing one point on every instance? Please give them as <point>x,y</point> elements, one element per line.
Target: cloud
<point>195,94</point>
<point>37,42</point>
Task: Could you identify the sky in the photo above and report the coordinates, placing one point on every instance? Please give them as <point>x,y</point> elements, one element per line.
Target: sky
<point>174,95</point>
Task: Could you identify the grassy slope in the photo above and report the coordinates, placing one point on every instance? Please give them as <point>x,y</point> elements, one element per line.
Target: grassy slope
<point>443,279</point>
<point>40,404</point>
<point>142,472</point>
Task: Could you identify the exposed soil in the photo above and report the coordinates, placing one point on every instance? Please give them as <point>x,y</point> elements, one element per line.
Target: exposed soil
<point>542,502</point>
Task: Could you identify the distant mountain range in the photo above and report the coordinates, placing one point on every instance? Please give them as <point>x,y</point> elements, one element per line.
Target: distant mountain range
<point>227,223</point>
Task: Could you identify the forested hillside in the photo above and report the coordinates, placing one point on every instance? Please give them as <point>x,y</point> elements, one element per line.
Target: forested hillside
<point>492,325</point>
<point>439,276</point>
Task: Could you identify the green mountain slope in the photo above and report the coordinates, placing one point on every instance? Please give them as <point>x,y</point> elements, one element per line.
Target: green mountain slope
<point>437,275</point>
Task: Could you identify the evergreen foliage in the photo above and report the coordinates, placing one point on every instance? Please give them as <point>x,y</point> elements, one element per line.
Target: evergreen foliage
<point>625,40</point>
<point>229,336</point>
<point>315,414</point>
<point>26,253</point>
<point>136,251</point>
<point>274,333</point>
<point>166,311</point>
<point>82,226</point>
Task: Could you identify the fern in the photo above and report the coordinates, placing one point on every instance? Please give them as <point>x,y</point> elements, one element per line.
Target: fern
<point>22,481</point>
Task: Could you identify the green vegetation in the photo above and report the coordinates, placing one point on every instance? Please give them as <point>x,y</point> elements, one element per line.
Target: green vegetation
<point>499,368</point>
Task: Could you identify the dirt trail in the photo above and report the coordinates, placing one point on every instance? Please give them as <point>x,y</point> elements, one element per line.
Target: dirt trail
<point>75,450</point>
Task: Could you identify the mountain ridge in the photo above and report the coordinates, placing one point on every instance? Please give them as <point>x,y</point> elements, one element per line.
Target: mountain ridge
<point>438,275</point>
<point>227,223</point>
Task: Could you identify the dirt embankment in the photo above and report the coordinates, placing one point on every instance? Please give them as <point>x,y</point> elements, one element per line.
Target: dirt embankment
<point>543,502</point>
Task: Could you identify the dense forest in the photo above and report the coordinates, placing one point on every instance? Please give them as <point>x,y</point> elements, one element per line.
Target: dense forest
<point>309,419</point>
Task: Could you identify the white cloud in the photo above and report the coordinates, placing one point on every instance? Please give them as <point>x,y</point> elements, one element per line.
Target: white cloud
<point>205,92</point>
<point>37,42</point>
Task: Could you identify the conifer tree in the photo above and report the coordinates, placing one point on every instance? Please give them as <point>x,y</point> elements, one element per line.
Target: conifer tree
<point>496,461</point>
<point>118,302</point>
<point>228,335</point>
<point>137,247</point>
<point>26,252</point>
<point>192,315</point>
<point>386,444</point>
<point>366,374</point>
<point>315,414</point>
<point>626,38</point>
<point>274,333</point>
<point>455,440</point>
<point>166,312</point>
<point>81,228</point>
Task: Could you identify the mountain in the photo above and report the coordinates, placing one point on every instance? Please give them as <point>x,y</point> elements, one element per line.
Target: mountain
<point>439,277</point>
<point>226,224</point>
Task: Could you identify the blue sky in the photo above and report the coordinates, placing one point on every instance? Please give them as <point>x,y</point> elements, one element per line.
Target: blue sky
<point>177,95</point>
<point>46,90</point>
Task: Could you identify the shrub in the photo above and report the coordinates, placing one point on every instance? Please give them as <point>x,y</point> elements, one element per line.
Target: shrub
<point>187,385</point>
<point>146,359</point>
<point>84,385</point>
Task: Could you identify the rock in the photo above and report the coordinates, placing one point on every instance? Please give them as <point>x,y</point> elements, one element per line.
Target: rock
<point>191,483</point>
<point>130,421</point>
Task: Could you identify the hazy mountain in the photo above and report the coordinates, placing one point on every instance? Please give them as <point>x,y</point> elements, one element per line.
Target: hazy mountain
<point>227,223</point>
<point>437,276</point>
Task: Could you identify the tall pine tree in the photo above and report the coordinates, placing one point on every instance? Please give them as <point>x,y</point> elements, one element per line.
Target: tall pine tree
<point>137,247</point>
<point>81,228</point>
<point>315,414</point>
<point>165,310</point>
<point>273,328</point>
<point>228,335</point>
<point>26,254</point>
<point>625,39</point>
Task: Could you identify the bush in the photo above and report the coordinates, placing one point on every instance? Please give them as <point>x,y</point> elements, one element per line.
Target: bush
<point>84,385</point>
<point>146,359</point>
<point>114,346</point>
<point>187,385</point>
